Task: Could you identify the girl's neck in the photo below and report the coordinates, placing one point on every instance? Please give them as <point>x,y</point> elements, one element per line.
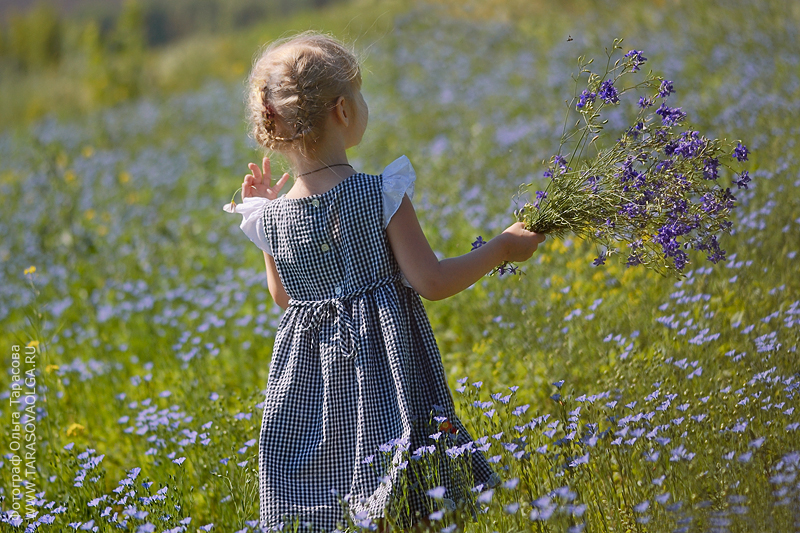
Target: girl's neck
<point>327,152</point>
<point>315,173</point>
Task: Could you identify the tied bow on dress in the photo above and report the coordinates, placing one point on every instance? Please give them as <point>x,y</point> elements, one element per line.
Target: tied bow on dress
<point>320,309</point>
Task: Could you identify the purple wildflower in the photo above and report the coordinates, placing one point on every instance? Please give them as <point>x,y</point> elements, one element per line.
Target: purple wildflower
<point>743,180</point>
<point>712,204</point>
<point>670,116</point>
<point>636,59</point>
<point>711,245</point>
<point>644,103</point>
<point>690,144</point>
<point>662,166</point>
<point>586,96</point>
<point>601,260</point>
<point>636,130</point>
<point>478,243</point>
<point>740,152</point>
<point>632,210</point>
<point>593,182</point>
<point>711,168</point>
<point>666,89</point>
<point>608,93</point>
<point>540,195</point>
<point>437,493</point>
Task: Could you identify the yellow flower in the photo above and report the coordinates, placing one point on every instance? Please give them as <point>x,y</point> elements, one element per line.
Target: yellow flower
<point>124,177</point>
<point>74,428</point>
<point>34,344</point>
<point>88,151</point>
<point>30,270</point>
<point>50,368</point>
<point>89,214</point>
<point>69,176</point>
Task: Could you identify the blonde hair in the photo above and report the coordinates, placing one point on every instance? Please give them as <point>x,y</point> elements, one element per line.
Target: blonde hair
<point>293,84</point>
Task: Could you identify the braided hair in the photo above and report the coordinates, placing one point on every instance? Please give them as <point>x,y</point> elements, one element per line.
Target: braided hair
<point>292,86</point>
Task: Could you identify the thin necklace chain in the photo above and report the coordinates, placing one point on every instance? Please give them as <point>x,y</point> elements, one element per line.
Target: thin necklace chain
<point>323,168</point>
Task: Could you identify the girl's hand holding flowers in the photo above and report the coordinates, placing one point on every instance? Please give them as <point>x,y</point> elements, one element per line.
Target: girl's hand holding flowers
<point>520,243</point>
<point>258,183</point>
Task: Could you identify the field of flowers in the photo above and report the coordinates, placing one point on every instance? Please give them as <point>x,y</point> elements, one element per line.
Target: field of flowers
<point>136,325</point>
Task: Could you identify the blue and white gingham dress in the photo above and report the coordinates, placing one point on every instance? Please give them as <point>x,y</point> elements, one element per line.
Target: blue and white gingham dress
<point>356,377</point>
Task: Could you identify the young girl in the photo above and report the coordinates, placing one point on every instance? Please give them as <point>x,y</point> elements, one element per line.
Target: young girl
<point>356,382</point>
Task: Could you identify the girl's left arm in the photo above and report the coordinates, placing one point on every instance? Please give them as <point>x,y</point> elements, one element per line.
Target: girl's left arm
<point>274,283</point>
<point>434,279</point>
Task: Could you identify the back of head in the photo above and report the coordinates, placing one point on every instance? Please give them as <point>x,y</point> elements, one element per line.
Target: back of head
<point>292,86</point>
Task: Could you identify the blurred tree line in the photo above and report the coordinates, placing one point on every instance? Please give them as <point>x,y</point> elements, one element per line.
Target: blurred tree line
<point>103,47</point>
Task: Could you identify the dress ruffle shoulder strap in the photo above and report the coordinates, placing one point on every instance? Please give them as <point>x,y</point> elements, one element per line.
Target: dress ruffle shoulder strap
<point>398,180</point>
<point>252,211</point>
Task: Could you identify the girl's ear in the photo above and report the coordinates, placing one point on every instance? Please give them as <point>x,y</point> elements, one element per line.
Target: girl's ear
<point>340,111</point>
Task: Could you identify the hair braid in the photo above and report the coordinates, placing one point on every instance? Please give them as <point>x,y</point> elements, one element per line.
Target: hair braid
<point>292,86</point>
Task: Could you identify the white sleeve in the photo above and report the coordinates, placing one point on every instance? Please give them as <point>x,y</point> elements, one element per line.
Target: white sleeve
<point>252,211</point>
<point>398,180</point>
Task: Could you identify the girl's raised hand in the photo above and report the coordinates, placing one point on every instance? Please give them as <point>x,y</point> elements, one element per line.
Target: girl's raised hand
<point>520,243</point>
<point>258,183</point>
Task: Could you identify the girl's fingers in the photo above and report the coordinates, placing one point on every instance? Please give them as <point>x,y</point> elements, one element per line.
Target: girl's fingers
<point>267,171</point>
<point>281,182</point>
<point>256,171</point>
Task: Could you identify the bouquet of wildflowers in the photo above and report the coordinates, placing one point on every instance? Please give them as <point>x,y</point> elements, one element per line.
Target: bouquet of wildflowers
<point>651,195</point>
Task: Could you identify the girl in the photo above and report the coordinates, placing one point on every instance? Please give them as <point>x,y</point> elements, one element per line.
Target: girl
<point>356,382</point>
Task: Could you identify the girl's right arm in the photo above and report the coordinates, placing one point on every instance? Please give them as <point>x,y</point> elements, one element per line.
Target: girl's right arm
<point>434,279</point>
<point>274,283</point>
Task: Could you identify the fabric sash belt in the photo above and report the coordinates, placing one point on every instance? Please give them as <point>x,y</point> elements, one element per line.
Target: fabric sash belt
<point>320,309</point>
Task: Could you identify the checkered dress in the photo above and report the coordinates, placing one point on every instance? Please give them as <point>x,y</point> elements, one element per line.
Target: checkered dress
<point>356,383</point>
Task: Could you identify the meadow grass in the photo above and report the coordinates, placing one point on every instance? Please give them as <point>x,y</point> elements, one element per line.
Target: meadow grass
<point>607,398</point>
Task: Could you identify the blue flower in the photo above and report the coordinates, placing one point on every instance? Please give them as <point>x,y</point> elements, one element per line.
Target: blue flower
<point>586,96</point>
<point>636,59</point>
<point>670,116</point>
<point>710,168</point>
<point>644,103</point>
<point>478,243</point>
<point>743,180</point>
<point>601,260</point>
<point>608,93</point>
<point>633,260</point>
<point>438,515</point>
<point>740,152</point>
<point>540,195</point>
<point>437,493</point>
<point>666,89</point>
